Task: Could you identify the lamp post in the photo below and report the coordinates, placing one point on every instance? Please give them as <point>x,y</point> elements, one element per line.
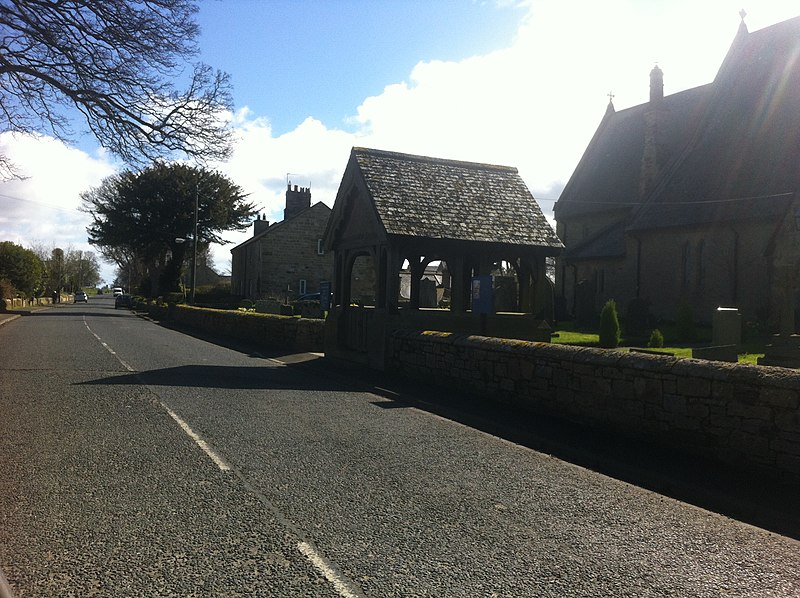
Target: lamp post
<point>194,245</point>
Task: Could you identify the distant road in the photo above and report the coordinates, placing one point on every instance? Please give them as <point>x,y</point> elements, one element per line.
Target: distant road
<point>139,461</point>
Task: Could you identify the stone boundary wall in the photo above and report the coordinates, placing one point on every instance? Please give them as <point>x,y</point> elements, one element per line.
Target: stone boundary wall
<point>744,415</point>
<point>19,303</point>
<point>282,332</point>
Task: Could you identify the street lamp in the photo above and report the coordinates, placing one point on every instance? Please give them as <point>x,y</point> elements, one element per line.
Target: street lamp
<point>194,245</point>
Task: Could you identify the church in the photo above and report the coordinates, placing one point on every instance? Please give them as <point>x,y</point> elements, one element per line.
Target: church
<point>691,199</point>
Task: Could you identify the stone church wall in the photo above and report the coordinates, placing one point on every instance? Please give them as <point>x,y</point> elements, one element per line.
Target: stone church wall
<point>747,416</point>
<point>707,268</point>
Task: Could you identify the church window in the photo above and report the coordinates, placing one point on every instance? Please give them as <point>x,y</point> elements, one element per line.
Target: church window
<point>686,265</point>
<point>699,273</point>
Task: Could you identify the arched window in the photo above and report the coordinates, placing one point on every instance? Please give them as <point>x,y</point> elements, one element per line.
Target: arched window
<point>686,265</point>
<point>699,272</point>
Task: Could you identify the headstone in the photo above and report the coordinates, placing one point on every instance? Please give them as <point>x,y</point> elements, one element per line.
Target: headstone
<point>726,327</point>
<point>427,293</point>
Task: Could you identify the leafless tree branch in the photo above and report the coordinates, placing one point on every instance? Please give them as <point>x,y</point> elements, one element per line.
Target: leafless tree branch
<point>119,63</point>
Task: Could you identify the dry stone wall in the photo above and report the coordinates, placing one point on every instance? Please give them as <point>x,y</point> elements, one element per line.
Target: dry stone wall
<point>269,330</point>
<point>740,414</point>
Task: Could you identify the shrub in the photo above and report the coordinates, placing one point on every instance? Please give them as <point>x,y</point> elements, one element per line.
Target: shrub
<point>609,325</point>
<point>213,292</point>
<point>173,298</point>
<point>656,339</point>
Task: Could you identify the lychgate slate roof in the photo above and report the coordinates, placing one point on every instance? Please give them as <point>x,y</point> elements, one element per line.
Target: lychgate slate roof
<point>427,197</point>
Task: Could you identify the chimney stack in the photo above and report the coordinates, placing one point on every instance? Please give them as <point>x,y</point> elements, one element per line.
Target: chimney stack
<point>260,225</point>
<point>653,154</point>
<point>297,200</point>
<point>656,85</point>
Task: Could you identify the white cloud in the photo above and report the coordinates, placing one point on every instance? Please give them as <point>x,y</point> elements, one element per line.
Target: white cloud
<point>43,207</point>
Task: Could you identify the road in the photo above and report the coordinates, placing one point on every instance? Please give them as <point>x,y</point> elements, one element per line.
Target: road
<point>139,461</point>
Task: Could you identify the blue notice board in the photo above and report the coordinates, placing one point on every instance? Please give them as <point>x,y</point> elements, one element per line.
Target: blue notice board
<point>325,295</point>
<point>482,295</point>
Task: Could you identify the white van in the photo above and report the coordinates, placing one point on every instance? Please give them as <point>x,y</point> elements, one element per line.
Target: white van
<point>117,291</point>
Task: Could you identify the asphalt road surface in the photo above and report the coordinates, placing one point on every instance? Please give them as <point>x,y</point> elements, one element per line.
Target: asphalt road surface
<point>139,461</point>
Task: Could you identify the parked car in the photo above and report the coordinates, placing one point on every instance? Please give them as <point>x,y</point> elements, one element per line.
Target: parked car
<point>123,300</point>
<point>80,296</point>
<point>117,291</point>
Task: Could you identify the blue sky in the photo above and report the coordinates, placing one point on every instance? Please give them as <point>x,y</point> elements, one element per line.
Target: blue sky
<point>294,59</point>
<point>521,83</point>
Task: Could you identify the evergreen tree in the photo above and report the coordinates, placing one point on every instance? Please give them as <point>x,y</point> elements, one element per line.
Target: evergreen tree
<point>610,334</point>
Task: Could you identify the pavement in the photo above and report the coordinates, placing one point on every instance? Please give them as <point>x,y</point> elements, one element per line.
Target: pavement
<point>6,317</point>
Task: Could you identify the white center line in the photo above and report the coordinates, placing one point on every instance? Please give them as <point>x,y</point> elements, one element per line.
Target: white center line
<point>220,462</point>
<point>109,349</point>
<point>323,567</point>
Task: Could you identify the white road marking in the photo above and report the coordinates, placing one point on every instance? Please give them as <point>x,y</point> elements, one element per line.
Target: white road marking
<point>307,550</point>
<point>109,349</point>
<point>219,461</point>
<point>323,567</point>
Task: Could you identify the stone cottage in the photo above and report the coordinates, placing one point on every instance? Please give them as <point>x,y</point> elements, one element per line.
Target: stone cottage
<point>286,259</point>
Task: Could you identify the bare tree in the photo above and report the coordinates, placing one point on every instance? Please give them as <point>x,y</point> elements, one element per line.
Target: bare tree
<point>116,62</point>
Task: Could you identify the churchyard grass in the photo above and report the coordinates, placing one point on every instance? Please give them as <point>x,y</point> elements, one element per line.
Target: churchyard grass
<point>567,334</point>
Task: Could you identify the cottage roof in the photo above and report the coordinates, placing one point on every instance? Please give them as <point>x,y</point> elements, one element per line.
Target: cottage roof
<point>280,224</point>
<point>434,198</point>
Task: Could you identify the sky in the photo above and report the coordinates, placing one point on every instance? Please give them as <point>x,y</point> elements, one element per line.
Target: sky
<point>520,83</point>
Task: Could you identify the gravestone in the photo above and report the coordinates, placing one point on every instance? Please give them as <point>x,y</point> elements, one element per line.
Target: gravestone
<point>427,293</point>
<point>726,327</point>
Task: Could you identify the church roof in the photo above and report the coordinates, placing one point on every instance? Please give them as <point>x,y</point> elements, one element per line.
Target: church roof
<point>608,175</point>
<point>420,196</point>
<point>609,243</point>
<point>744,158</point>
<point>727,150</point>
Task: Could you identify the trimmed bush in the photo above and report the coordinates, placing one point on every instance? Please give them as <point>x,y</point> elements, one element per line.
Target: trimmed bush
<point>610,334</point>
<point>656,339</point>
